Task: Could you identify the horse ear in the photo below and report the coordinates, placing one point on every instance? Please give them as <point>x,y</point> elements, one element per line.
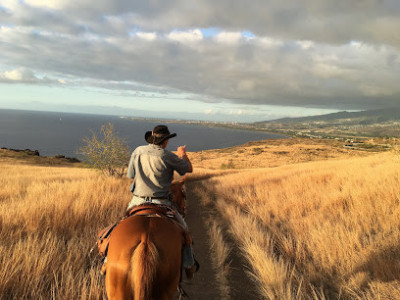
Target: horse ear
<point>183,179</point>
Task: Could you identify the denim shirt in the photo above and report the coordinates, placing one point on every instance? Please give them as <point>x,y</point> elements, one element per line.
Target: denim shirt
<point>152,169</point>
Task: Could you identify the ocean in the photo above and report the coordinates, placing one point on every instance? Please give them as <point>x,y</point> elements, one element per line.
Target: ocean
<point>53,133</point>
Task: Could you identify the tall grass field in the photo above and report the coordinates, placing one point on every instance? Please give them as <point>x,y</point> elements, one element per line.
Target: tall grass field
<point>49,218</point>
<point>317,230</point>
<point>324,229</point>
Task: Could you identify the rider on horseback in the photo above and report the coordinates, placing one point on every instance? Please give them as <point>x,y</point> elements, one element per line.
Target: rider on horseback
<point>151,167</point>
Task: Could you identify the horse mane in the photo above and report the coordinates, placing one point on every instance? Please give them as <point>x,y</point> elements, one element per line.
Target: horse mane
<point>179,195</point>
<point>144,263</point>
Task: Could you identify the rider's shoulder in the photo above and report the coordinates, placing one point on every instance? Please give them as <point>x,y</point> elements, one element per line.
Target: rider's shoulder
<point>142,149</point>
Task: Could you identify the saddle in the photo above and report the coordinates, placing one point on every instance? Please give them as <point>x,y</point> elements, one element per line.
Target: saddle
<point>143,210</point>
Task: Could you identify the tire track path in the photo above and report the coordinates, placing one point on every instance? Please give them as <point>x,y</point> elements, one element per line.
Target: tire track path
<point>203,285</point>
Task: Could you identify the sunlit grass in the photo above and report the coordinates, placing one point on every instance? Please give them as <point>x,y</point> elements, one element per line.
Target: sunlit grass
<point>49,218</point>
<point>315,228</point>
<point>272,153</point>
<point>322,229</point>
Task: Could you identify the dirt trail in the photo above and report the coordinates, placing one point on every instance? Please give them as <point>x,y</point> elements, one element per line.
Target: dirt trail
<point>203,285</point>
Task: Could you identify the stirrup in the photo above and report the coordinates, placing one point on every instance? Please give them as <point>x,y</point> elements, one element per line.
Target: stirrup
<point>182,293</point>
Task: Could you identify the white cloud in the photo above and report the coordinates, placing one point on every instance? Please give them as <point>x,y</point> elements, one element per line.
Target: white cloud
<point>270,42</point>
<point>326,71</point>
<point>52,4</point>
<point>306,44</point>
<point>314,52</point>
<point>228,37</point>
<point>9,4</point>
<point>189,36</point>
<point>27,76</point>
<point>18,75</point>
<point>149,36</point>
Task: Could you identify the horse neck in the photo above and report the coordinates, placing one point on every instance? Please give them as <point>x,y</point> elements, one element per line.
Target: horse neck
<point>178,197</point>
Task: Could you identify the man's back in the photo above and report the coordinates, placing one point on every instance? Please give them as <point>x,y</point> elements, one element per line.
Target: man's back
<point>152,169</point>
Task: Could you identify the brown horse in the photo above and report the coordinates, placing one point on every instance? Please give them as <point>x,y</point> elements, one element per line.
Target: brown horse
<point>144,256</point>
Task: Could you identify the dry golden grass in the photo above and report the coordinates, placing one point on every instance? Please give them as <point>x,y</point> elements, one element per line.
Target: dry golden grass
<point>22,157</point>
<point>49,218</point>
<point>272,153</point>
<point>327,229</point>
<point>220,252</point>
<point>314,221</point>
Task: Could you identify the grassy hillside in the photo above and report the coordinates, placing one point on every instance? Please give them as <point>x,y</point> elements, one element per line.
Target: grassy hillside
<point>314,219</point>
<point>32,157</point>
<point>49,218</point>
<point>320,230</point>
<point>364,117</point>
<point>372,123</point>
<point>273,153</point>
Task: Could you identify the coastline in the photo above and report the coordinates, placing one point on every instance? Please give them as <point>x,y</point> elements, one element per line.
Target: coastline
<point>53,133</point>
<point>212,124</point>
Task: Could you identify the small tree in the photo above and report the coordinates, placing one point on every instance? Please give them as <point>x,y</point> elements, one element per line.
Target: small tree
<point>108,152</point>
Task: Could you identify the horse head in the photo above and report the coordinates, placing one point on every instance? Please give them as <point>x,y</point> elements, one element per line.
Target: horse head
<point>179,195</point>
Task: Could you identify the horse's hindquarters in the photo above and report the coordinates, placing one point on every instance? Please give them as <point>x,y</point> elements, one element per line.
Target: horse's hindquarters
<point>144,258</point>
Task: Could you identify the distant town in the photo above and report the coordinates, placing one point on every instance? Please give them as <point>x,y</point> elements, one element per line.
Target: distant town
<point>384,123</point>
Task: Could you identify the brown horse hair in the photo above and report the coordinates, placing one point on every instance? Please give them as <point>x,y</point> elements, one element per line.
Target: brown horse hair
<point>144,263</point>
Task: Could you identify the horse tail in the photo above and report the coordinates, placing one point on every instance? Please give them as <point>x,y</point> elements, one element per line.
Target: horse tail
<point>143,269</point>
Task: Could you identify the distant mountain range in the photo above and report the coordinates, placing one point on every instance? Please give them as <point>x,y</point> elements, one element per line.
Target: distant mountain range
<point>370,123</point>
<point>370,116</point>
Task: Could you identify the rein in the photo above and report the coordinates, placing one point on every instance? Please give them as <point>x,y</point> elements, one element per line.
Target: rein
<point>181,291</point>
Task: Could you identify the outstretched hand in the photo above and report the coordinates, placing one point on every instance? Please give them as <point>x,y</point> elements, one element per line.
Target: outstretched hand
<point>181,151</point>
<point>182,154</point>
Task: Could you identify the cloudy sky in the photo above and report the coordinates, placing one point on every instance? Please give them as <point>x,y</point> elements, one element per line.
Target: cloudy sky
<point>215,60</point>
